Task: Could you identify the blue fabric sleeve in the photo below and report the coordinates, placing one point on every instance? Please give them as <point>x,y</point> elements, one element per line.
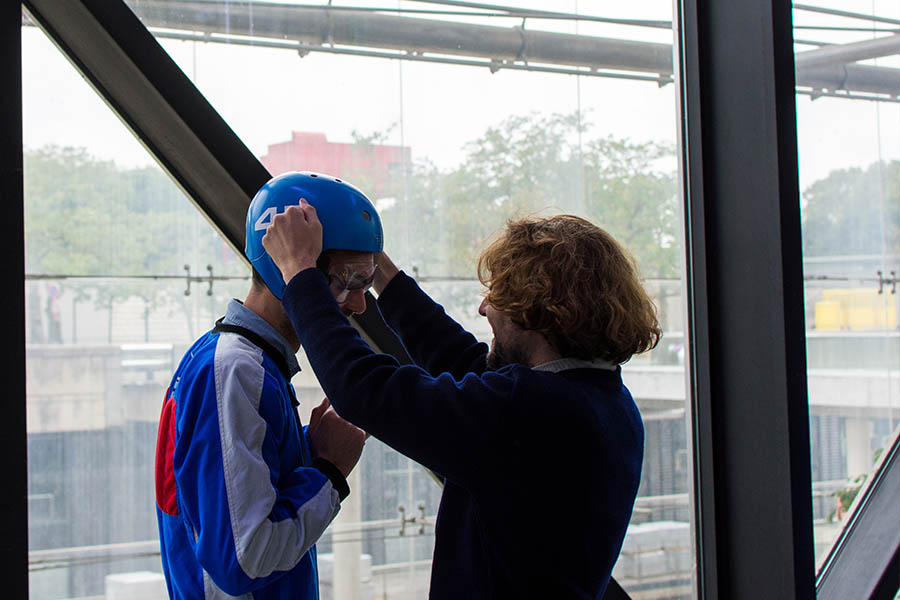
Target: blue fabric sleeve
<point>434,340</point>
<point>455,427</point>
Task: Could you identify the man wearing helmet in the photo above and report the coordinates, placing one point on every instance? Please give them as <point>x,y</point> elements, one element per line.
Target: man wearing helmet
<point>538,441</point>
<point>243,490</point>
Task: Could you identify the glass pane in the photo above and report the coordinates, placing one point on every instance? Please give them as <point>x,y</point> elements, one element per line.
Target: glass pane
<point>449,142</point>
<point>117,287</point>
<point>849,150</point>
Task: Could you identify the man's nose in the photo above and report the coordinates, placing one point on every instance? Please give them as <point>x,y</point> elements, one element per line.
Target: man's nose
<point>481,309</point>
<point>355,302</point>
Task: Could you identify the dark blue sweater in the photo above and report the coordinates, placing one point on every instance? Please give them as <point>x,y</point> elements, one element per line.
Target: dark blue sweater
<point>541,469</point>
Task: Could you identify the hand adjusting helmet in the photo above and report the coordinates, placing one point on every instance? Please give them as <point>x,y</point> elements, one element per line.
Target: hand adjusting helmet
<point>349,219</point>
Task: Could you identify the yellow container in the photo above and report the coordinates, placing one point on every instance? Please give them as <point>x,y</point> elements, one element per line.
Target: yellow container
<point>829,315</point>
<point>860,309</point>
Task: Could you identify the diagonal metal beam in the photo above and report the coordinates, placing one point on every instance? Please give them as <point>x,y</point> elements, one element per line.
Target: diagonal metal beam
<point>140,82</point>
<point>863,563</point>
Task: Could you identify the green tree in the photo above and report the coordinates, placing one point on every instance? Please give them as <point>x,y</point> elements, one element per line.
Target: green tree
<point>88,217</point>
<point>534,164</point>
<point>846,213</point>
<point>630,195</point>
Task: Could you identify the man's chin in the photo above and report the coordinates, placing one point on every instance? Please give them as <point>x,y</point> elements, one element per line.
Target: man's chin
<point>494,361</point>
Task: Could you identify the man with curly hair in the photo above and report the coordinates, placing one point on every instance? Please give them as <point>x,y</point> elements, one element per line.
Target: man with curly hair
<point>537,439</point>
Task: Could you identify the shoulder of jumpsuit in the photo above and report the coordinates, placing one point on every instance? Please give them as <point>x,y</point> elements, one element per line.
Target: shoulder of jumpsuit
<point>238,314</point>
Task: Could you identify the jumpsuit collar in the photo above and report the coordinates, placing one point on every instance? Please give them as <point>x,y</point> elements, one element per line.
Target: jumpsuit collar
<point>238,314</point>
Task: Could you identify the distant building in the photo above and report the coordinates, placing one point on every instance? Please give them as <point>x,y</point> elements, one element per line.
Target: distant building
<point>369,166</point>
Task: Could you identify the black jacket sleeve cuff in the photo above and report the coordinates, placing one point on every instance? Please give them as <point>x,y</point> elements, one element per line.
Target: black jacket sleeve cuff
<point>334,476</point>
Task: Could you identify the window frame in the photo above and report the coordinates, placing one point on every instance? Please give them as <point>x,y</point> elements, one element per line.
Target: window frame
<point>13,437</point>
<point>752,478</point>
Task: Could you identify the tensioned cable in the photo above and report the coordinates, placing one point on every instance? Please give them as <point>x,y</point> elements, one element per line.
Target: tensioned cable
<point>846,13</point>
<point>462,13</point>
<point>854,29</point>
<point>484,10</point>
<point>885,299</point>
<point>816,93</point>
<point>545,14</point>
<point>193,278</point>
<point>582,196</point>
<point>420,278</point>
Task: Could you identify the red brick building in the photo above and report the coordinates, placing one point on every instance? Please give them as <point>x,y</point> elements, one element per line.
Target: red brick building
<point>368,166</point>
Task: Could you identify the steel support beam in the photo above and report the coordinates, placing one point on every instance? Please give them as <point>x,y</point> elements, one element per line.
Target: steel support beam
<point>13,440</point>
<point>853,78</point>
<point>842,54</point>
<point>865,560</point>
<point>750,419</point>
<point>363,29</point>
<point>418,37</point>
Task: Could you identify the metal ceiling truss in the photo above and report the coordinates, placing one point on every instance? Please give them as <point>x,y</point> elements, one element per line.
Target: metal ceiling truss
<point>306,28</point>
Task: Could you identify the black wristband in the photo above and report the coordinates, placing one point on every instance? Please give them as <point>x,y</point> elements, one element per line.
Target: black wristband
<point>334,475</point>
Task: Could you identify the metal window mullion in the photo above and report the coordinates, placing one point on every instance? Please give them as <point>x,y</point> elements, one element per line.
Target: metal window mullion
<point>744,284</point>
<point>13,437</point>
<point>865,559</point>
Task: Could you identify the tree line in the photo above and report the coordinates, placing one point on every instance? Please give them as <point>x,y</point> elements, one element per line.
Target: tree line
<point>87,216</point>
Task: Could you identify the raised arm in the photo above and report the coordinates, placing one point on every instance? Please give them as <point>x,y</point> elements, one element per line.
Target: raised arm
<point>384,273</point>
<point>433,339</point>
<point>445,424</point>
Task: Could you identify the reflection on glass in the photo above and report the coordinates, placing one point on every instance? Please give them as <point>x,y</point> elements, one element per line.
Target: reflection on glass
<point>849,150</point>
<point>449,142</point>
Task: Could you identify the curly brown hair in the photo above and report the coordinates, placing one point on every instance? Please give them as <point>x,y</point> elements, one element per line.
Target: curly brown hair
<point>569,280</point>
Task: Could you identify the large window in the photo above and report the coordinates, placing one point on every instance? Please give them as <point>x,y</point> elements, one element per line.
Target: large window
<point>449,142</point>
<point>122,274</point>
<point>849,152</point>
<point>454,117</point>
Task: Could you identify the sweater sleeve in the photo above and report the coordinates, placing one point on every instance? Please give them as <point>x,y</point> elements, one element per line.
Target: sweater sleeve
<point>434,341</point>
<point>454,427</point>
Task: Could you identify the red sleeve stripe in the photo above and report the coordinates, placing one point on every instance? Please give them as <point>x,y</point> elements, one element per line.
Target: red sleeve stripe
<point>166,494</point>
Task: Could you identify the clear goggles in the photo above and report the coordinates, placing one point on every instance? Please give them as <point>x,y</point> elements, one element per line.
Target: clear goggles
<point>348,278</point>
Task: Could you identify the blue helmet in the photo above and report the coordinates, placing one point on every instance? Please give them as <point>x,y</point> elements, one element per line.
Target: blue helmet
<point>349,219</point>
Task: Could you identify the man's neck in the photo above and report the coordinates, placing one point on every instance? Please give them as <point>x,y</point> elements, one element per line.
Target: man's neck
<point>269,309</point>
<point>540,351</point>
